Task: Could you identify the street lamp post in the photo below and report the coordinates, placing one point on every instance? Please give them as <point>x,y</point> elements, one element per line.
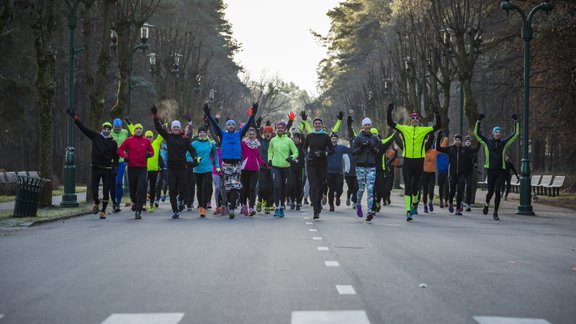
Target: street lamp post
<point>525,207</point>
<point>69,199</point>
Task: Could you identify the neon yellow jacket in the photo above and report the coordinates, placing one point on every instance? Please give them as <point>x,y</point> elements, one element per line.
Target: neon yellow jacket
<point>279,149</point>
<point>306,125</point>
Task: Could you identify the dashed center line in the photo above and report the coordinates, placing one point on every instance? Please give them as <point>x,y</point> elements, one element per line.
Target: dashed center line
<point>329,317</point>
<point>312,230</point>
<point>323,248</point>
<point>332,263</point>
<point>317,238</point>
<point>508,320</point>
<point>309,223</point>
<point>345,290</point>
<point>150,318</point>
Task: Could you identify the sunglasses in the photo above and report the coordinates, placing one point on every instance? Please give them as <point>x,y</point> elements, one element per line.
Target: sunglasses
<point>415,118</point>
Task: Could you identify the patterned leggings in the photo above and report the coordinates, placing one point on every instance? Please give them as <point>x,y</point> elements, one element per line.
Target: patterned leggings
<point>366,177</point>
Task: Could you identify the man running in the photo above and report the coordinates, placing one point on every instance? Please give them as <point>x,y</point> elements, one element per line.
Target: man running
<point>413,137</point>
<point>335,180</point>
<point>119,135</point>
<point>495,151</point>
<point>104,157</point>
<point>508,182</point>
<point>281,154</point>
<point>265,185</point>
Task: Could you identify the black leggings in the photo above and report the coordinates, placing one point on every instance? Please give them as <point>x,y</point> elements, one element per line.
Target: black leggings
<point>190,186</point>
<point>468,179</point>
<point>266,187</point>
<point>316,178</point>
<point>412,172</point>
<point>137,179</point>
<point>378,186</point>
<point>352,184</point>
<point>152,179</point>
<point>249,181</point>
<point>162,184</point>
<point>176,187</point>
<point>496,178</point>
<point>507,185</point>
<point>204,192</point>
<point>295,185</point>
<point>105,175</point>
<point>335,187</point>
<point>428,182</point>
<point>280,177</point>
<point>457,183</point>
<point>443,186</point>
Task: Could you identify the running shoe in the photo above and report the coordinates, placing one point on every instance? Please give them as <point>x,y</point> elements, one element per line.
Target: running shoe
<point>95,209</point>
<point>316,216</point>
<point>138,215</point>
<point>468,209</point>
<point>441,204</point>
<point>175,215</point>
<point>324,199</point>
<point>156,204</point>
<point>251,212</point>
<point>485,210</point>
<point>292,206</point>
<point>451,208</point>
<point>231,214</point>
<point>306,201</point>
<point>408,216</point>
<point>414,209</point>
<point>431,206</point>
<point>370,217</point>
<point>151,209</point>
<point>180,205</point>
<point>277,212</point>
<point>359,210</point>
<point>208,205</point>
<point>202,212</point>
<point>377,206</point>
<point>425,209</point>
<point>163,198</point>
<point>244,210</point>
<point>102,215</point>
<point>458,212</point>
<point>281,212</point>
<point>259,205</point>
<point>116,208</point>
<point>495,216</point>
<point>337,201</point>
<point>347,201</point>
<point>331,208</point>
<point>298,206</point>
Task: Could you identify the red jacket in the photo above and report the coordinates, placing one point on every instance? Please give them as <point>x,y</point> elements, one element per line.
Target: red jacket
<point>136,147</point>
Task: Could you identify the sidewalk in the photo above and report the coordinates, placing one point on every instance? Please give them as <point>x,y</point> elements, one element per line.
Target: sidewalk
<point>56,200</point>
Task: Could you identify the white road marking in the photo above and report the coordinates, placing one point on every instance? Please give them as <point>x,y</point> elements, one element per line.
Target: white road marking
<point>508,320</point>
<point>317,238</point>
<point>306,217</point>
<point>309,223</point>
<point>345,290</point>
<point>322,248</point>
<point>329,317</point>
<point>148,318</point>
<point>312,230</point>
<point>1,315</point>
<point>332,263</point>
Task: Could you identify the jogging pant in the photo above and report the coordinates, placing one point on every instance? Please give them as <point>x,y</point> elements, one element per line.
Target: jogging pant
<point>428,182</point>
<point>295,185</point>
<point>379,186</point>
<point>266,187</point>
<point>280,177</point>
<point>443,186</point>
<point>104,175</point>
<point>204,192</point>
<point>388,184</point>
<point>137,178</point>
<point>468,179</point>
<point>366,177</point>
<point>119,192</point>
<point>335,187</point>
<point>457,183</point>
<point>152,179</point>
<point>412,172</point>
<point>190,186</point>
<point>317,177</point>
<point>352,184</point>
<point>162,184</point>
<point>496,178</point>
<point>217,181</point>
<point>507,185</point>
<point>176,186</point>
<point>249,181</point>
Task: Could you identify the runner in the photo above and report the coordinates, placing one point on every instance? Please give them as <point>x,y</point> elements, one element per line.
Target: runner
<point>495,150</point>
<point>136,150</point>
<point>231,154</point>
<point>116,190</point>
<point>508,183</point>
<point>103,159</point>
<point>413,136</point>
<point>471,167</point>
<point>442,172</point>
<point>251,163</point>
<point>162,184</point>
<point>265,184</point>
<point>350,175</point>
<point>153,166</point>
<point>177,146</point>
<point>335,180</point>
<point>281,154</point>
<point>296,179</point>
<point>205,149</point>
<point>429,174</point>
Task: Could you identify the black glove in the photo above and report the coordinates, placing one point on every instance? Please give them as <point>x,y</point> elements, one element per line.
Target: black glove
<point>127,160</point>
<point>258,121</point>
<point>289,159</point>
<point>128,121</point>
<point>254,108</point>
<point>435,110</point>
<point>154,110</point>
<point>446,132</point>
<point>349,121</point>
<point>340,115</point>
<point>481,116</point>
<point>303,115</point>
<point>365,143</point>
<point>206,108</point>
<point>391,105</point>
<point>72,114</point>
<point>515,117</point>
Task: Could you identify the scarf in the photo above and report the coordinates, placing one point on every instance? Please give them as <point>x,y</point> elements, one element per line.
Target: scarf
<point>253,144</point>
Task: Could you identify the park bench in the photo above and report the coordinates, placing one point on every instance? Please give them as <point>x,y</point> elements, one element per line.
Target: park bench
<point>553,189</point>
<point>9,181</point>
<point>515,185</point>
<point>546,181</point>
<point>483,184</point>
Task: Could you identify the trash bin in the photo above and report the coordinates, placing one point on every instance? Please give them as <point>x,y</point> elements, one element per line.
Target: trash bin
<point>28,195</point>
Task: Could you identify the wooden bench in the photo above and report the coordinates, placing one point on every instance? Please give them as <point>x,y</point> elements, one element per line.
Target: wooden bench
<point>483,184</point>
<point>553,189</point>
<point>515,185</point>
<point>546,181</point>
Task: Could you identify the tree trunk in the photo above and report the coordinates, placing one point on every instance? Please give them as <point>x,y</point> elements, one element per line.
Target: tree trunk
<point>470,104</point>
<point>124,69</point>
<point>44,26</point>
<point>86,15</point>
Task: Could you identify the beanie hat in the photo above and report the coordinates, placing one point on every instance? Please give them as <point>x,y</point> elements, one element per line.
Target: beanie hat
<point>201,129</point>
<point>106,124</point>
<point>281,123</point>
<point>117,122</point>
<point>468,138</point>
<point>458,136</point>
<point>334,135</point>
<point>138,126</point>
<point>230,122</point>
<point>268,129</point>
<point>148,133</point>
<point>176,123</point>
<point>414,114</point>
<point>374,130</point>
<point>496,129</point>
<point>366,121</point>
<point>317,118</point>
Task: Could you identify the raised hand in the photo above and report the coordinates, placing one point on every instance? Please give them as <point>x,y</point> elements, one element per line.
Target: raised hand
<point>254,108</point>
<point>391,105</point>
<point>128,121</point>
<point>154,110</point>
<point>206,108</point>
<point>291,116</point>
<point>187,117</point>
<point>481,116</point>
<point>72,114</point>
<point>258,121</point>
<point>340,115</point>
<point>349,121</point>
<point>515,117</point>
<point>303,115</point>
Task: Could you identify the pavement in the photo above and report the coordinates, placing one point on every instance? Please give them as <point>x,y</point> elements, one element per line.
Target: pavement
<point>440,268</point>
<point>56,200</point>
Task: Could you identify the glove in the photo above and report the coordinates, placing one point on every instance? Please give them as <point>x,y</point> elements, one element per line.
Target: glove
<point>154,111</point>
<point>435,110</point>
<point>365,143</point>
<point>250,111</point>
<point>515,117</point>
<point>268,122</point>
<point>254,108</point>
<point>481,116</point>
<point>340,115</point>
<point>199,159</point>
<point>128,121</point>
<point>72,114</point>
<point>291,116</point>
<point>127,160</point>
<point>258,121</point>
<point>447,132</point>
<point>269,162</point>
<point>303,115</point>
<point>289,159</point>
<point>349,121</point>
<point>187,117</point>
<point>206,108</point>
<point>391,105</point>
<point>149,155</point>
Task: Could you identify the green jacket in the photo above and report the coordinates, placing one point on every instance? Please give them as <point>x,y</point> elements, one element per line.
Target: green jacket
<point>120,138</point>
<point>495,150</point>
<point>153,161</point>
<point>413,140</point>
<point>306,125</point>
<point>279,150</point>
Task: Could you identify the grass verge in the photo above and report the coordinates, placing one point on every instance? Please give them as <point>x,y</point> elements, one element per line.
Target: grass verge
<point>45,215</point>
<point>56,192</point>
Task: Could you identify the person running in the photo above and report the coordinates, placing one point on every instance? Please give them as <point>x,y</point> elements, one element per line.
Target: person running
<point>350,161</point>
<point>177,146</point>
<point>265,184</point>
<point>413,137</point>
<point>508,182</point>
<point>251,162</point>
<point>335,180</point>
<point>470,167</point>
<point>495,149</point>
<point>116,190</point>
<point>231,151</point>
<point>191,163</point>
<point>296,179</point>
<point>103,160</point>
<point>153,166</point>
<point>136,150</point>
<point>442,174</point>
<point>281,154</point>
<point>317,148</point>
<point>162,184</point>
<point>203,171</point>
<point>391,159</point>
<point>429,173</point>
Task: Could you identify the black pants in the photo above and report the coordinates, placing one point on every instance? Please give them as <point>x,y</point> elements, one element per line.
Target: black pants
<point>104,175</point>
<point>443,186</point>
<point>378,187</point>
<point>457,183</point>
<point>266,187</point>
<point>152,179</point>
<point>190,186</point>
<point>249,181</point>
<point>137,178</point>
<point>468,179</point>
<point>412,172</point>
<point>176,186</point>
<point>335,187</point>
<point>162,184</point>
<point>428,182</point>
<point>316,178</point>
<point>296,185</point>
<point>280,178</point>
<point>507,185</point>
<point>496,178</point>
<point>204,192</point>
<point>352,184</point>
<point>388,184</point>
<point>112,185</point>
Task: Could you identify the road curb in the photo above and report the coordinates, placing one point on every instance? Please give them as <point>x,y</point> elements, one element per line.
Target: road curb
<point>51,220</point>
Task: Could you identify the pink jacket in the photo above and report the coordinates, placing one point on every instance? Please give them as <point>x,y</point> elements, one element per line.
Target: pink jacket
<point>251,159</point>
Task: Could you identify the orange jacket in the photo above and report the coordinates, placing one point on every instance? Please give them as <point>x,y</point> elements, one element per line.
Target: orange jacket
<point>430,159</point>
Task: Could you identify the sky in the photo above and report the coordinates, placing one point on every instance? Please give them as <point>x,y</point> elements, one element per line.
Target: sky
<point>276,39</point>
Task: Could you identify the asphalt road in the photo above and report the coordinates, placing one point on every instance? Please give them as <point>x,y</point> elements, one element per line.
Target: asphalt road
<point>439,269</point>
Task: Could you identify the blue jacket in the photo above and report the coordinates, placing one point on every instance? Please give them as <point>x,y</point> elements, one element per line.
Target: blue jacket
<point>203,150</point>
<point>442,163</point>
<point>230,144</point>
<point>335,160</point>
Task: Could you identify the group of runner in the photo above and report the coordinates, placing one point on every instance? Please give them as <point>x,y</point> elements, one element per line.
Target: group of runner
<point>265,168</point>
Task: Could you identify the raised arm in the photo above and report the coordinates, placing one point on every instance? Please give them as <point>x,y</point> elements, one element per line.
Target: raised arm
<point>351,132</point>
<point>514,136</point>
<point>388,141</point>
<point>477,133</point>
<point>161,131</point>
<point>336,127</point>
<point>252,112</point>
<point>389,120</point>
<point>129,125</point>
<point>88,132</point>
<point>305,121</point>
<point>213,122</point>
